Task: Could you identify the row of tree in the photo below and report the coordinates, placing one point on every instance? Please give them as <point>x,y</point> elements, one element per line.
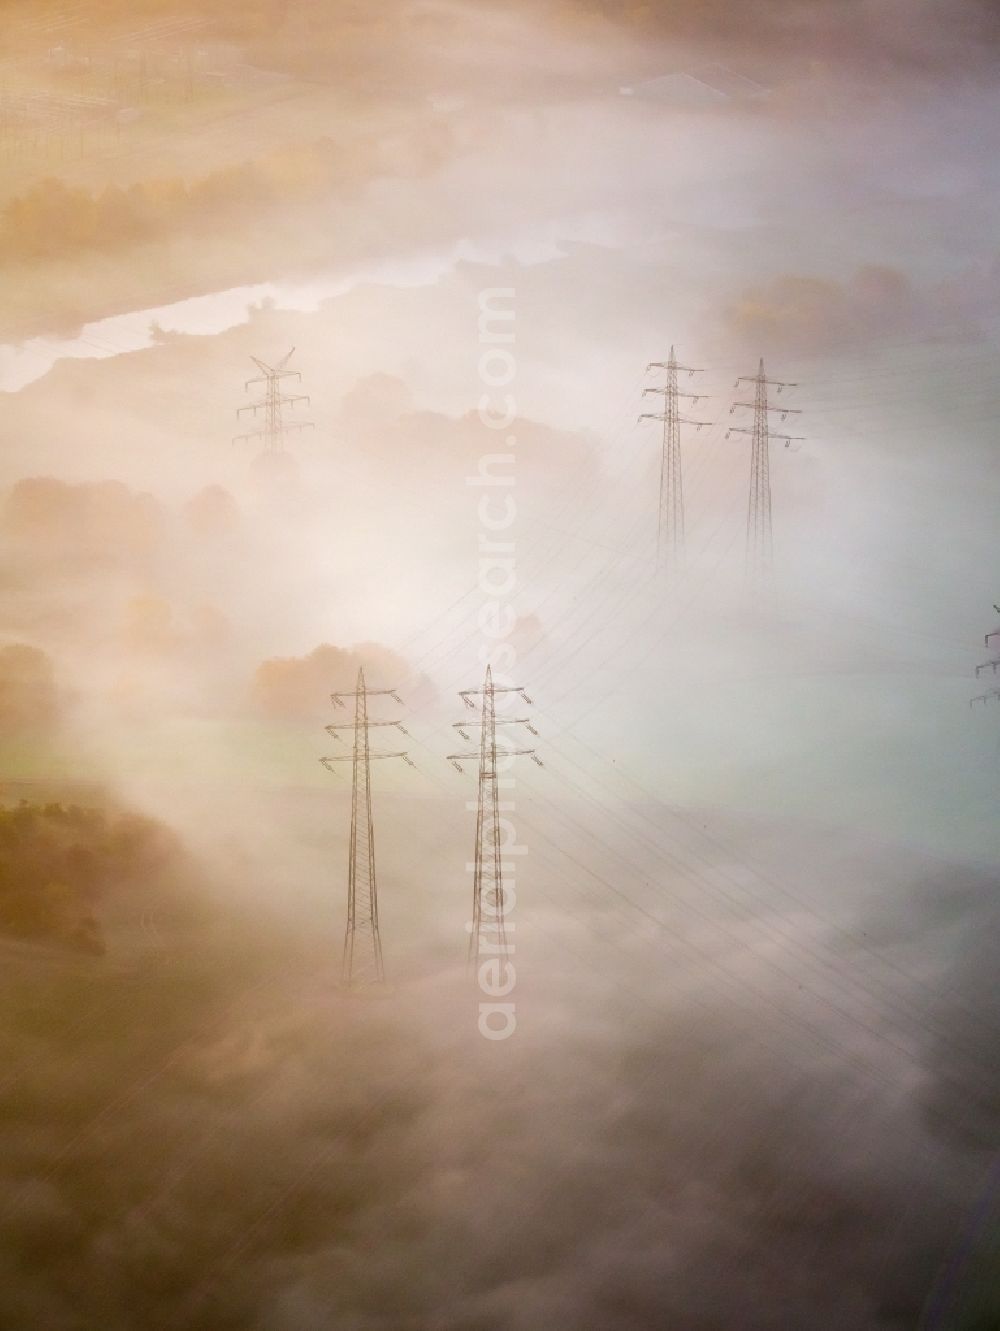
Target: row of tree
<point>58,861</point>
<point>52,219</point>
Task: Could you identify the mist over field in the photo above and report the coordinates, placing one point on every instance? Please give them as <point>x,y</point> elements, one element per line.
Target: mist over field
<point>753,1083</point>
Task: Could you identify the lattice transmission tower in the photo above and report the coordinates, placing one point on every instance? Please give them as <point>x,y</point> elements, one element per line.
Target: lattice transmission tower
<point>760,543</point>
<point>670,523</point>
<point>488,929</point>
<point>993,665</point>
<point>270,407</point>
<point>362,961</point>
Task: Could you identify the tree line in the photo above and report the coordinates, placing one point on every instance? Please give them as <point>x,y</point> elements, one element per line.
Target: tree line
<point>52,219</point>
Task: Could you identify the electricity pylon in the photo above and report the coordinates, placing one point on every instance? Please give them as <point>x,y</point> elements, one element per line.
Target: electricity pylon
<point>489,866</point>
<point>760,548</point>
<point>992,664</point>
<point>670,523</point>
<point>362,961</point>
<point>272,405</point>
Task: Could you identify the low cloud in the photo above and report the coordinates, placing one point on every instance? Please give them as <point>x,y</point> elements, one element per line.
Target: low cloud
<point>640,1154</point>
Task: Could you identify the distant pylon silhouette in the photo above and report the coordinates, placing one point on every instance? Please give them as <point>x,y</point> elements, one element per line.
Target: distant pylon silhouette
<point>362,960</point>
<point>489,929</point>
<point>670,522</point>
<point>993,665</point>
<point>273,405</point>
<point>760,539</point>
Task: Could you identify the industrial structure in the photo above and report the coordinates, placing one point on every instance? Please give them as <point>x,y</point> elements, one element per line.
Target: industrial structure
<point>488,929</point>
<point>270,407</point>
<point>993,665</point>
<point>760,544</point>
<point>362,960</point>
<point>670,524</point>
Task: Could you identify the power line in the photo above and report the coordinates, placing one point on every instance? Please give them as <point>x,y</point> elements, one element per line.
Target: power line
<point>992,664</point>
<point>362,961</point>
<point>489,863</point>
<point>273,404</point>
<point>760,543</point>
<point>670,525</point>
